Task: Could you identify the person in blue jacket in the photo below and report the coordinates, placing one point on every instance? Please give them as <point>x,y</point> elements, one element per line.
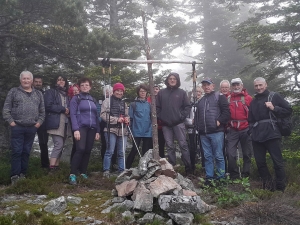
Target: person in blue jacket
<point>140,123</point>
<point>85,125</point>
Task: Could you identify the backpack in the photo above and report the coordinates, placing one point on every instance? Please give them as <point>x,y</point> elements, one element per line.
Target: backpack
<point>241,100</point>
<point>284,124</point>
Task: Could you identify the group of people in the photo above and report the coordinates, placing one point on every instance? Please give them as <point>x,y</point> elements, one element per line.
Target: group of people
<point>219,121</point>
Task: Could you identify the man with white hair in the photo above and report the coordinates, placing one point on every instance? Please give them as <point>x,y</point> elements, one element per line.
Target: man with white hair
<point>225,87</point>
<point>24,111</point>
<point>265,133</point>
<point>239,101</point>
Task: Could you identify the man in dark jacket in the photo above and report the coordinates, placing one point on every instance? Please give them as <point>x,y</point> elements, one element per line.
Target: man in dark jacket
<point>265,132</point>
<point>211,117</point>
<point>239,101</point>
<point>173,106</point>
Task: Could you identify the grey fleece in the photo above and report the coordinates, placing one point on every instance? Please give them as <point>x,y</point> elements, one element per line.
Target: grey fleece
<point>22,108</point>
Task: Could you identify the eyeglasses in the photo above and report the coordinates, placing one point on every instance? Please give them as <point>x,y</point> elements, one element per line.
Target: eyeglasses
<point>142,91</point>
<point>172,79</point>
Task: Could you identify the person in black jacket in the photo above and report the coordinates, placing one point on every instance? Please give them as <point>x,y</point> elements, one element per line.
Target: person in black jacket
<point>172,107</point>
<point>212,115</point>
<point>265,133</point>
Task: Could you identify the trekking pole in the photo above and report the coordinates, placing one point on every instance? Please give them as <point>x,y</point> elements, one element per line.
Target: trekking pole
<point>134,141</point>
<point>123,142</point>
<point>238,158</point>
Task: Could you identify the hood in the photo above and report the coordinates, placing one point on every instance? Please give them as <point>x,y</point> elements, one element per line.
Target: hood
<point>176,75</point>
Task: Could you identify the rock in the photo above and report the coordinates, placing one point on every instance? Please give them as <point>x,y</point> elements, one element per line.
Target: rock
<point>167,168</point>
<point>126,188</point>
<point>124,176</point>
<point>182,204</point>
<point>143,163</point>
<point>118,199</point>
<point>56,206</point>
<point>114,192</point>
<point>41,197</point>
<point>185,183</point>
<point>128,217</point>
<point>182,218</point>
<point>74,200</point>
<point>162,185</point>
<point>188,193</point>
<point>169,222</point>
<point>135,174</point>
<point>146,219</point>
<point>79,219</point>
<point>127,204</point>
<point>108,202</point>
<point>143,199</point>
<point>153,166</point>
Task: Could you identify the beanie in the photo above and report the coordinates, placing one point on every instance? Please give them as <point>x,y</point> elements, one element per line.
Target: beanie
<point>118,86</point>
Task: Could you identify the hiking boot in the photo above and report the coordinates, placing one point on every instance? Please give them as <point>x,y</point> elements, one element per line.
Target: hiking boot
<point>72,179</point>
<point>22,176</point>
<point>84,176</point>
<point>106,174</point>
<point>14,179</point>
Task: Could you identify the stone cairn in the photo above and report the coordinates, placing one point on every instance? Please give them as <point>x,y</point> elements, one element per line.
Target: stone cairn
<point>138,188</point>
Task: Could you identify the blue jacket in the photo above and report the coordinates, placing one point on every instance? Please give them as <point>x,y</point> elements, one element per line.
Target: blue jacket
<point>140,118</point>
<point>83,112</point>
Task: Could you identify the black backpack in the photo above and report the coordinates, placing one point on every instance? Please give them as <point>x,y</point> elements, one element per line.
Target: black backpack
<point>284,124</point>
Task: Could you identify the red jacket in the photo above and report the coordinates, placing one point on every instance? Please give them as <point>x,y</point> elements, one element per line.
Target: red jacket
<point>239,109</point>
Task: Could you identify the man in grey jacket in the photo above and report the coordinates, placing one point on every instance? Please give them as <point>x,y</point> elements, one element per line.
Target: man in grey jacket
<point>172,107</point>
<point>24,111</point>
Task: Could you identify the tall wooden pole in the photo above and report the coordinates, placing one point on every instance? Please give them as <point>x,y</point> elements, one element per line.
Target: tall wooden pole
<point>151,85</point>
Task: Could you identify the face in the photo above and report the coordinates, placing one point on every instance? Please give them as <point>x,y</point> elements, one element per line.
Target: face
<point>107,93</point>
<point>118,93</point>
<point>224,88</point>
<point>75,90</point>
<point>172,81</point>
<point>26,81</point>
<point>207,87</point>
<point>38,83</point>
<point>142,93</point>
<point>60,82</point>
<point>260,86</point>
<point>236,87</point>
<point>156,90</point>
<point>85,87</point>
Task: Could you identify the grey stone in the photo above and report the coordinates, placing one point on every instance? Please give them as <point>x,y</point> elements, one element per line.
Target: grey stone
<point>74,200</point>
<point>153,166</point>
<point>169,222</point>
<point>143,163</point>
<point>124,176</point>
<point>108,202</point>
<point>118,199</point>
<point>126,188</point>
<point>185,183</point>
<point>147,218</point>
<point>182,218</point>
<point>159,218</point>
<point>42,197</point>
<point>182,204</point>
<point>162,185</point>
<point>79,219</point>
<point>127,204</point>
<point>143,199</point>
<point>135,174</point>
<point>167,168</point>
<point>56,206</point>
<point>114,192</point>
<point>129,217</point>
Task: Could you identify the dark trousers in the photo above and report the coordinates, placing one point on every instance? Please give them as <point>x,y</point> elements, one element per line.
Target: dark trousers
<point>193,149</point>
<point>233,137</point>
<point>73,147</point>
<point>21,143</point>
<point>273,147</point>
<point>103,144</point>
<point>147,143</point>
<point>43,143</point>
<point>161,143</point>
<point>84,147</point>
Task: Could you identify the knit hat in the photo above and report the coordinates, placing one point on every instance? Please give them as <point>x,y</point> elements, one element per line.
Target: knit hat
<point>118,86</point>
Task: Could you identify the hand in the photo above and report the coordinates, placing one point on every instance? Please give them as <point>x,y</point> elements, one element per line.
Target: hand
<point>67,111</point>
<point>121,120</point>
<point>218,123</point>
<point>77,135</point>
<point>97,136</point>
<point>270,105</point>
<point>127,120</point>
<point>37,125</point>
<point>12,124</point>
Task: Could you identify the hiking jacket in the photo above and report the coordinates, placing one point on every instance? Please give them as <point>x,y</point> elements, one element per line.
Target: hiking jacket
<point>54,108</point>
<point>239,109</point>
<point>140,118</point>
<point>110,113</point>
<point>172,105</point>
<point>211,108</point>
<point>260,125</point>
<point>83,112</point>
<point>25,109</point>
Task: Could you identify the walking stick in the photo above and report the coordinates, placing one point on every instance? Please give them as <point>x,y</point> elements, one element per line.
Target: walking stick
<point>123,142</point>
<point>134,141</point>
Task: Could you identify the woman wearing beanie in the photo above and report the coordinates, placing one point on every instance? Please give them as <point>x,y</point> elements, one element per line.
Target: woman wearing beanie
<point>114,112</point>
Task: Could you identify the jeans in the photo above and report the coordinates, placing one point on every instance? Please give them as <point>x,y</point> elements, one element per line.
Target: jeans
<point>179,132</point>
<point>117,141</point>
<point>21,142</point>
<point>43,143</point>
<point>213,151</point>
<point>273,147</point>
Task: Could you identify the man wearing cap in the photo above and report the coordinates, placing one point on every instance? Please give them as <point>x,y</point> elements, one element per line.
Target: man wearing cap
<point>172,107</point>
<point>211,117</point>
<point>239,101</point>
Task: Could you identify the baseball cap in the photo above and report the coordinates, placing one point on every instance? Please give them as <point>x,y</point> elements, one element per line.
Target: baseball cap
<point>208,80</point>
<point>236,80</point>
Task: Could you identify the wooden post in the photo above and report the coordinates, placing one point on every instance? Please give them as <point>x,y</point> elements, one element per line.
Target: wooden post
<point>151,85</point>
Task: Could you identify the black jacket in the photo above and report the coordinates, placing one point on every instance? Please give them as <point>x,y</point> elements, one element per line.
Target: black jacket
<point>263,131</point>
<point>172,104</point>
<point>211,108</point>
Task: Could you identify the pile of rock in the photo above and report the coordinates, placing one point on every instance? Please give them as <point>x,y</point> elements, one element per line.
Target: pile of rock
<point>156,181</point>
